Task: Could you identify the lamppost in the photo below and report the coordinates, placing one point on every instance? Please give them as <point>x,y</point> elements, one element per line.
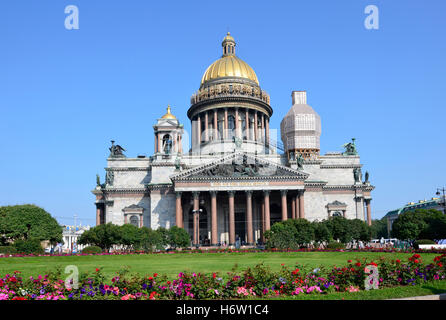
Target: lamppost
<point>444,199</point>
<point>196,214</point>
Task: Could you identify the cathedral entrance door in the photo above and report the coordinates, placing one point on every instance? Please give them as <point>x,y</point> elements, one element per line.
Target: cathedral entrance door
<point>240,227</point>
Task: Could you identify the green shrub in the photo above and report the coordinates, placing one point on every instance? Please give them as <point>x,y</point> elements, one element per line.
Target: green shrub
<point>335,245</point>
<point>30,246</point>
<point>92,249</point>
<point>8,249</point>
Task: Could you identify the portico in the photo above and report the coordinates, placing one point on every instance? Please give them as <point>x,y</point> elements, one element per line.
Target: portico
<point>238,197</point>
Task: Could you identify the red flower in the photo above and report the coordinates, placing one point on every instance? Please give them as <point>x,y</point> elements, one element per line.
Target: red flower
<point>349,261</point>
<point>168,282</point>
<point>416,261</point>
<point>155,275</point>
<point>19,298</point>
<point>416,255</point>
<point>440,264</point>
<point>398,261</point>
<point>358,264</point>
<point>97,269</point>
<point>150,278</point>
<point>214,275</point>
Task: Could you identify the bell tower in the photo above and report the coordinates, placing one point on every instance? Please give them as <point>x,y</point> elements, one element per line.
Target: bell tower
<point>168,136</point>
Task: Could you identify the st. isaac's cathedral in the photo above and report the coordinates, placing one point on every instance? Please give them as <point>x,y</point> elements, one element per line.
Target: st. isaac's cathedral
<point>234,181</point>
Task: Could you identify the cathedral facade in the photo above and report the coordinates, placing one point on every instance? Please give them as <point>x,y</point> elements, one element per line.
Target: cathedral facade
<point>234,181</point>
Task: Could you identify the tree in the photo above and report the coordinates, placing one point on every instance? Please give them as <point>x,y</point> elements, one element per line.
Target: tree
<point>436,225</point>
<point>130,236</point>
<point>28,222</point>
<point>340,229</point>
<point>409,225</point>
<point>289,234</point>
<point>321,232</point>
<point>379,228</point>
<point>103,236</point>
<point>151,239</point>
<point>359,230</point>
<point>178,237</point>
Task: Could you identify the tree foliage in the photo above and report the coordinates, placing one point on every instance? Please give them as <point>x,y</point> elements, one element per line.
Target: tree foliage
<point>420,224</point>
<point>296,233</point>
<point>27,222</point>
<point>131,237</point>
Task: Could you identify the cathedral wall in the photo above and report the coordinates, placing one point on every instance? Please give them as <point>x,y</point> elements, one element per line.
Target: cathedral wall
<point>115,215</point>
<point>128,162</point>
<point>163,206</point>
<point>335,176</point>
<point>314,204</point>
<point>131,178</point>
<point>161,174</point>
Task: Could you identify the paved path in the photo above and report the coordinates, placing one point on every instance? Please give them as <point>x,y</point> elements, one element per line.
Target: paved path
<point>431,297</point>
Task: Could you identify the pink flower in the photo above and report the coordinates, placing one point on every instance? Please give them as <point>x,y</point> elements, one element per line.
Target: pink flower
<point>4,296</point>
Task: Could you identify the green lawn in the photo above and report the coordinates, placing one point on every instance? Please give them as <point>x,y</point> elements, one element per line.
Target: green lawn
<point>172,264</point>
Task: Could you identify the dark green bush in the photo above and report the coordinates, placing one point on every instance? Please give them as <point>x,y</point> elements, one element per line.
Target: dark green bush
<point>8,249</point>
<point>92,249</point>
<point>30,246</point>
<point>335,245</point>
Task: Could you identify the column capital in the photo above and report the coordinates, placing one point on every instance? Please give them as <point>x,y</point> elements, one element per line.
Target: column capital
<point>196,194</point>
<point>178,194</point>
<point>266,192</point>
<point>213,193</point>
<point>231,193</point>
<point>248,192</point>
<point>283,192</point>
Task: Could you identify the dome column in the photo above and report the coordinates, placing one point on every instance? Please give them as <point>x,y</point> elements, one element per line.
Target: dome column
<point>262,135</point>
<point>237,124</point>
<point>206,127</point>
<point>247,124</point>
<point>215,135</point>
<point>267,132</point>
<point>225,134</point>
<point>255,126</point>
<point>199,130</point>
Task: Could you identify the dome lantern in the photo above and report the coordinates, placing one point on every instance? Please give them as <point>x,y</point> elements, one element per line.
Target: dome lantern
<point>228,45</point>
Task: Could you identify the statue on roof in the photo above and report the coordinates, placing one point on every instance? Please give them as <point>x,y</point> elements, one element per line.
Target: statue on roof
<point>357,174</point>
<point>299,160</point>
<point>366,177</point>
<point>116,151</point>
<point>350,148</point>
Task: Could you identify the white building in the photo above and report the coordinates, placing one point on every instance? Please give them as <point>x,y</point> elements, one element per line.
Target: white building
<point>234,181</point>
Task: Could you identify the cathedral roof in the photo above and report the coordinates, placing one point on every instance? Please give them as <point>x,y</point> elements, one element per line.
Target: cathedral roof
<point>229,65</point>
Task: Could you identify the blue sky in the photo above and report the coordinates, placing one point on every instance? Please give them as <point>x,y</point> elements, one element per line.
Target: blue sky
<point>64,94</point>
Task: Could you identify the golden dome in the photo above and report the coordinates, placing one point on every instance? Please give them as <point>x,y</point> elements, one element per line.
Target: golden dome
<point>168,115</point>
<point>229,65</point>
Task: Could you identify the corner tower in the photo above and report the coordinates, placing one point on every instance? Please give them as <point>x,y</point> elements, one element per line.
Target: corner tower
<point>301,128</point>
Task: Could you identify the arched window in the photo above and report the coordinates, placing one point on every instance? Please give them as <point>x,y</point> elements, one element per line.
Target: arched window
<point>167,144</point>
<point>134,220</point>
<point>337,214</point>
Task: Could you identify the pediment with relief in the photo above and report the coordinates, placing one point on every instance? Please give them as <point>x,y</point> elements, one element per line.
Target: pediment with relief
<point>240,166</point>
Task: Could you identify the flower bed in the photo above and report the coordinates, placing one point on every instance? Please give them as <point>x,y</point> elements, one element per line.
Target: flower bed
<point>259,281</point>
<point>213,250</point>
